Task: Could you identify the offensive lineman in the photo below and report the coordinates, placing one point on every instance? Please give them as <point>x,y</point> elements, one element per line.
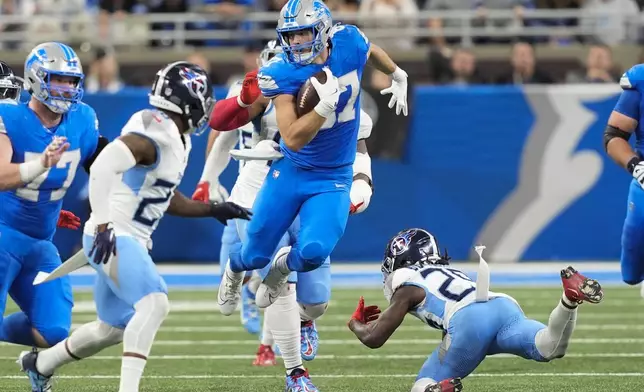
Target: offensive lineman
<point>419,281</point>
<point>10,90</point>
<point>625,120</point>
<point>132,184</point>
<point>313,290</point>
<point>42,144</point>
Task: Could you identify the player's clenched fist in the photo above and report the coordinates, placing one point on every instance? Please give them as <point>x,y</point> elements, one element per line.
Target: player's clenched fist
<point>250,90</point>
<point>329,93</point>
<point>360,196</point>
<point>636,167</point>
<point>54,151</point>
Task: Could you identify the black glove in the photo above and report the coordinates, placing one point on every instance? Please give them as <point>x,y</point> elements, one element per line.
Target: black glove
<point>229,210</point>
<point>104,244</point>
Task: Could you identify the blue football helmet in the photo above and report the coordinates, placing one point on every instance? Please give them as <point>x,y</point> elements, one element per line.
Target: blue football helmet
<point>54,59</point>
<point>300,16</point>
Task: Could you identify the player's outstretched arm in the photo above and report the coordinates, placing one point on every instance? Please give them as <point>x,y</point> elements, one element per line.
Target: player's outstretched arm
<point>180,205</point>
<point>100,145</point>
<point>13,176</point>
<point>237,111</point>
<point>380,60</point>
<point>374,331</point>
<point>217,159</point>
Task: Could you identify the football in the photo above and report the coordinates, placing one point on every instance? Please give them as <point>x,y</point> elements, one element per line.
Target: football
<point>307,97</point>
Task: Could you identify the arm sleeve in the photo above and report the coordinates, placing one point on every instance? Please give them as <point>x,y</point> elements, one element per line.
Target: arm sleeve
<point>219,156</point>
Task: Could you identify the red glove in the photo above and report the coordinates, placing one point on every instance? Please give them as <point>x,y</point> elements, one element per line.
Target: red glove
<point>202,193</point>
<point>68,220</point>
<point>250,89</point>
<point>365,315</point>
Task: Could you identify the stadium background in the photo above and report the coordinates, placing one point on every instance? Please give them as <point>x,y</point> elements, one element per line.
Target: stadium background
<point>486,155</point>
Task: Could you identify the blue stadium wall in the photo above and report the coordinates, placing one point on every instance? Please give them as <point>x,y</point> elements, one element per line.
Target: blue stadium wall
<point>520,170</point>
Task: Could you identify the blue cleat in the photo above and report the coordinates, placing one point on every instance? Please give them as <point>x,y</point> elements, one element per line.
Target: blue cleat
<point>309,340</point>
<point>249,312</point>
<point>39,382</point>
<point>299,381</point>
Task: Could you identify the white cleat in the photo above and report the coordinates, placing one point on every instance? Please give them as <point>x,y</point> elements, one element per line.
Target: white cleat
<point>642,291</point>
<point>275,281</point>
<point>229,293</point>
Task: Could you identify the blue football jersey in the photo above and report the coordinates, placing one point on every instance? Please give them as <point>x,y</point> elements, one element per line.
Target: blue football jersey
<point>335,144</point>
<point>33,209</point>
<point>631,102</point>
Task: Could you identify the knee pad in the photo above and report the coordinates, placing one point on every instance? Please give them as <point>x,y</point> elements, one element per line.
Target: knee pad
<point>156,305</point>
<point>421,384</point>
<point>312,255</point>
<point>312,312</point>
<point>53,335</point>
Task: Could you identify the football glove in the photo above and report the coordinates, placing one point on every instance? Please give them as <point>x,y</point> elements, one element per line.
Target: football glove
<point>250,90</point>
<point>329,93</point>
<point>360,196</point>
<point>68,220</point>
<point>398,91</point>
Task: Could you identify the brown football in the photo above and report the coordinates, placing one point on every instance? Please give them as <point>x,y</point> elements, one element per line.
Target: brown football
<point>307,97</point>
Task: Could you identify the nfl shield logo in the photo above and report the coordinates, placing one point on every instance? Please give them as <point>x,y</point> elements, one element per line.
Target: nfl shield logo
<point>276,173</point>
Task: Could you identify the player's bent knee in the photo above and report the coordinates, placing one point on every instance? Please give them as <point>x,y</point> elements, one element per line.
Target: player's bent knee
<point>422,384</point>
<point>52,335</point>
<point>156,305</point>
<point>312,312</point>
<point>548,347</point>
<point>313,255</point>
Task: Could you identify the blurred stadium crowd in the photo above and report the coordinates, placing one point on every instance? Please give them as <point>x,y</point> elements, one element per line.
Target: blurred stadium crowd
<point>446,30</point>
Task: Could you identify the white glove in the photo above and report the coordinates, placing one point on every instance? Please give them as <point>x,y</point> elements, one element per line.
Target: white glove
<point>218,194</point>
<point>398,91</point>
<point>638,173</point>
<point>328,92</point>
<point>360,196</point>
<point>54,151</point>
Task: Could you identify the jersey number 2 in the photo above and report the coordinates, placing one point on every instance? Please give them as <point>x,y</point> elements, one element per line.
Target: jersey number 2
<point>450,276</point>
<point>69,160</point>
<point>348,113</point>
<point>138,215</point>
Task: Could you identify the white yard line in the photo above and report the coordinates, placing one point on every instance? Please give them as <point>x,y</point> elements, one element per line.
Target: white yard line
<point>255,376</point>
<point>346,357</point>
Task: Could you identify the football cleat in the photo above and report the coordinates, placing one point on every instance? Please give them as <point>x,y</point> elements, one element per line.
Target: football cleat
<point>274,282</point>
<point>452,385</point>
<point>39,382</point>
<point>249,312</point>
<point>299,381</point>
<point>309,340</point>
<point>229,291</point>
<point>578,288</point>
<point>265,356</point>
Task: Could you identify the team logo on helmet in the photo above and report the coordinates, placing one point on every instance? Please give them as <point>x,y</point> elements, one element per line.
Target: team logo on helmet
<point>401,243</point>
<point>196,83</point>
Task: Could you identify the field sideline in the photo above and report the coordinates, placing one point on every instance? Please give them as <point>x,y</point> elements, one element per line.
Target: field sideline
<point>198,349</point>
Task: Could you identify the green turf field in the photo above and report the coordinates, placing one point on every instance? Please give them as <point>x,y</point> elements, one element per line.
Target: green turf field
<point>200,350</point>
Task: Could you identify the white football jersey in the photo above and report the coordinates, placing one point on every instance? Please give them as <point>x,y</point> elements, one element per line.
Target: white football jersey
<point>142,196</point>
<point>253,173</point>
<point>447,290</point>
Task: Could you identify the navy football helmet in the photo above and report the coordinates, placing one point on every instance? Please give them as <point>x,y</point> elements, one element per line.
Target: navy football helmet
<point>412,247</point>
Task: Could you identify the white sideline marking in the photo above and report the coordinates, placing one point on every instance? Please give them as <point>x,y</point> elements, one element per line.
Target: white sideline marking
<point>336,342</point>
<point>336,357</point>
<point>419,328</point>
<point>269,376</point>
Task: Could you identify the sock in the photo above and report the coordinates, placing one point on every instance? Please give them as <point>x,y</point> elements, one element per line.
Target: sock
<point>552,341</point>
<point>17,329</point>
<point>131,373</point>
<point>267,335</point>
<point>84,342</point>
<point>138,337</point>
<point>283,319</point>
<point>568,303</point>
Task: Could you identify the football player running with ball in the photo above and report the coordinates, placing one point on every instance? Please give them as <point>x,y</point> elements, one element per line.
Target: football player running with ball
<point>418,280</point>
